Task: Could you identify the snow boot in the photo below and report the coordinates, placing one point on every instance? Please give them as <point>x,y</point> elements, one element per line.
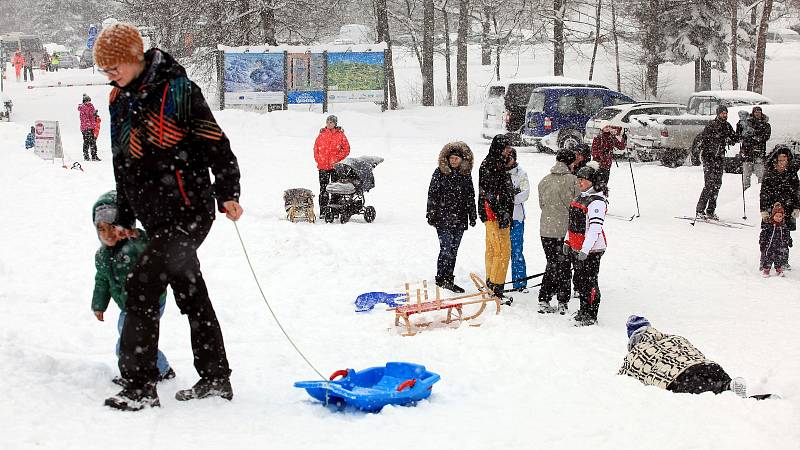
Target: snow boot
<point>545,308</point>
<point>447,283</point>
<point>779,271</point>
<point>168,375</point>
<point>563,307</point>
<point>739,387</point>
<point>765,272</point>
<point>206,388</point>
<point>711,216</point>
<point>135,399</point>
<point>585,321</point>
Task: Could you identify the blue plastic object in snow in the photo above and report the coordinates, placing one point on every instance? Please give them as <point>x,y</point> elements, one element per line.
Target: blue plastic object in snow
<point>398,383</point>
<point>365,302</point>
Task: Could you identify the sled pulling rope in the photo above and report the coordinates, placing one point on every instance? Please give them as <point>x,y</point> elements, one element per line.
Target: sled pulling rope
<point>274,317</point>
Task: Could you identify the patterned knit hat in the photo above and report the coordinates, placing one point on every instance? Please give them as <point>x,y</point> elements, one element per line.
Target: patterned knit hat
<point>777,208</point>
<point>635,323</point>
<point>118,43</point>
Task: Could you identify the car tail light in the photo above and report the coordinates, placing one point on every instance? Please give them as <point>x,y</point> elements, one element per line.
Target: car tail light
<point>548,123</point>
<point>506,117</point>
<point>665,133</point>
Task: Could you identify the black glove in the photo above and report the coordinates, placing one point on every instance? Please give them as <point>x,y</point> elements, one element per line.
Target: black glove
<point>472,222</point>
<point>430,220</point>
<point>504,221</point>
<point>565,249</point>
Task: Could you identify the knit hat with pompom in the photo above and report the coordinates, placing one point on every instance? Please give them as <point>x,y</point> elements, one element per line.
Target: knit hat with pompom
<point>117,44</point>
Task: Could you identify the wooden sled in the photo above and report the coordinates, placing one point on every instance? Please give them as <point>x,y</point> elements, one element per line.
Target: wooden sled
<point>453,305</point>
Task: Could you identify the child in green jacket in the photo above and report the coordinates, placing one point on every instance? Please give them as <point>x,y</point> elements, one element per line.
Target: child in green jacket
<point>114,260</point>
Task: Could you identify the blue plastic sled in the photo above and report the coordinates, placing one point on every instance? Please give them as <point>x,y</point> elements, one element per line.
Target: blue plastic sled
<point>365,302</point>
<point>399,383</point>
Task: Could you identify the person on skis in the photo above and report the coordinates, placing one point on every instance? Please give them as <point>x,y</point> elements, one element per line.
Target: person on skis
<point>714,140</point>
<point>165,141</point>
<point>603,146</point>
<point>755,131</point>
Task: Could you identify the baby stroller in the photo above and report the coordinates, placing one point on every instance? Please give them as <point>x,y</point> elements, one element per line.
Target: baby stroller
<point>299,204</point>
<point>353,178</point>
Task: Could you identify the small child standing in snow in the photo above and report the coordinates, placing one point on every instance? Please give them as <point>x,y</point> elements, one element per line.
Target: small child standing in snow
<point>774,242</point>
<point>30,141</point>
<point>114,260</point>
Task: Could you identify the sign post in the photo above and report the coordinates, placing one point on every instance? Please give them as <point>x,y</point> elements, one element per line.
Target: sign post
<point>91,38</point>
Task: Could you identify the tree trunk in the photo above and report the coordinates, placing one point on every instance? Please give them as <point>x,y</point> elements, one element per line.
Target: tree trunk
<point>697,75</point>
<point>596,37</point>
<point>427,53</point>
<point>244,27</point>
<point>616,44</point>
<point>446,20</point>
<point>382,28</point>
<point>268,25</point>
<point>705,74</point>
<point>761,48</point>
<point>558,37</point>
<point>751,69</point>
<point>461,57</point>
<point>734,42</point>
<point>486,44</point>
<point>498,48</point>
<point>651,79</point>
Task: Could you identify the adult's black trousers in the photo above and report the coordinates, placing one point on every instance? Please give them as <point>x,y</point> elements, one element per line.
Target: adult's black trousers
<point>557,272</point>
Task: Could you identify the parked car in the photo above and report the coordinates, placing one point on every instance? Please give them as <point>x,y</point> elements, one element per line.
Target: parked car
<point>622,117</point>
<point>506,101</point>
<point>555,117</point>
<point>86,59</point>
<point>676,137</point>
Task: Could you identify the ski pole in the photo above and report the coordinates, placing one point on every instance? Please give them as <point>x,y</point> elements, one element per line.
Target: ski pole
<point>635,195</point>
<point>744,202</point>
<point>524,279</point>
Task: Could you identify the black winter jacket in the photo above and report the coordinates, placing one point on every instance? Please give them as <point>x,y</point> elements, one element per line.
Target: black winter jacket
<point>754,145</point>
<point>451,195</point>
<point>164,141</point>
<point>496,188</point>
<point>714,139</point>
<point>780,187</point>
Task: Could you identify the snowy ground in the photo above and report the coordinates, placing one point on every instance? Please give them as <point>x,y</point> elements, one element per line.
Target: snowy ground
<point>521,380</point>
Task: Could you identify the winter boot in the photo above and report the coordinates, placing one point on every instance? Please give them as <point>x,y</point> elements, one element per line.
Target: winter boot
<point>563,307</point>
<point>739,387</point>
<point>779,271</point>
<point>135,399</point>
<point>712,216</point>
<point>585,322</point>
<point>447,283</point>
<point>545,308</point>
<point>207,388</point>
<point>765,272</point>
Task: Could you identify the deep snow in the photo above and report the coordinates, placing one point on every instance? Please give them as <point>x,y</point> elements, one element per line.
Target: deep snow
<point>521,380</point>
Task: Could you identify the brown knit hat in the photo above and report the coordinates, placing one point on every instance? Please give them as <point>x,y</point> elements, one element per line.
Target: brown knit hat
<point>118,43</point>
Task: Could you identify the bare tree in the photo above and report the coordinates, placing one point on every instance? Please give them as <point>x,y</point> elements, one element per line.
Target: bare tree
<point>427,54</point>
<point>596,37</point>
<point>616,44</point>
<point>761,47</point>
<point>382,28</point>
<point>734,41</point>
<point>559,8</point>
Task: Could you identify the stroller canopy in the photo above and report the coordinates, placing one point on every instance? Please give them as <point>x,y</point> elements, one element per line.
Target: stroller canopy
<point>361,167</point>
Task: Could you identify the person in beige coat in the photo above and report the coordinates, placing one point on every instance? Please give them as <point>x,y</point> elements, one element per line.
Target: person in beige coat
<point>556,191</point>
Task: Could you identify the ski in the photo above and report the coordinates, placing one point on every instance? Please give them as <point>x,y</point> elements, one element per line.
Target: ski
<point>712,222</point>
<point>623,218</point>
<point>766,397</point>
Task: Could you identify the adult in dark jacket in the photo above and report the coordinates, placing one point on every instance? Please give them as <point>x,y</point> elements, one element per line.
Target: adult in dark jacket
<point>451,207</point>
<point>755,133</point>
<point>714,140</point>
<point>164,141</point>
<point>495,207</point>
<point>29,63</point>
<point>780,185</point>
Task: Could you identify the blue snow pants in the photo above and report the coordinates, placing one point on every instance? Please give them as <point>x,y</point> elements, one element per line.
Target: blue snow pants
<point>517,258</point>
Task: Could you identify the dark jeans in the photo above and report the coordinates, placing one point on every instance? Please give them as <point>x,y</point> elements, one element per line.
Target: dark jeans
<point>170,258</point>
<point>27,70</point>
<point>557,273</point>
<point>89,143</point>
<point>325,177</point>
<point>449,241</point>
<point>712,174</point>
<point>586,283</point>
<point>705,377</point>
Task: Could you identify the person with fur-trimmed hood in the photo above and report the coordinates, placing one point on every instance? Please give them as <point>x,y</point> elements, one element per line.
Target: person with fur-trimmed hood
<point>671,362</point>
<point>451,208</point>
<point>556,191</point>
<point>781,185</point>
<point>585,242</point>
<point>495,208</point>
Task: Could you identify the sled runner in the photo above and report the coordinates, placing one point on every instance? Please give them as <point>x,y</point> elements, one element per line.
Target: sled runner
<point>453,305</point>
<point>398,383</point>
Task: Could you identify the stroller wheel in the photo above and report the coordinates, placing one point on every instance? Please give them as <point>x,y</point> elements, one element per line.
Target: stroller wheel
<point>328,216</point>
<point>343,218</point>
<point>369,214</point>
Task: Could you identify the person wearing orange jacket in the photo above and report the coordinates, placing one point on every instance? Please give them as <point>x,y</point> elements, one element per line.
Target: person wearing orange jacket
<point>330,147</point>
<point>18,61</point>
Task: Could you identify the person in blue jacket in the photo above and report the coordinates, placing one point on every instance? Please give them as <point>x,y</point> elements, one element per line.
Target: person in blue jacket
<point>30,141</point>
